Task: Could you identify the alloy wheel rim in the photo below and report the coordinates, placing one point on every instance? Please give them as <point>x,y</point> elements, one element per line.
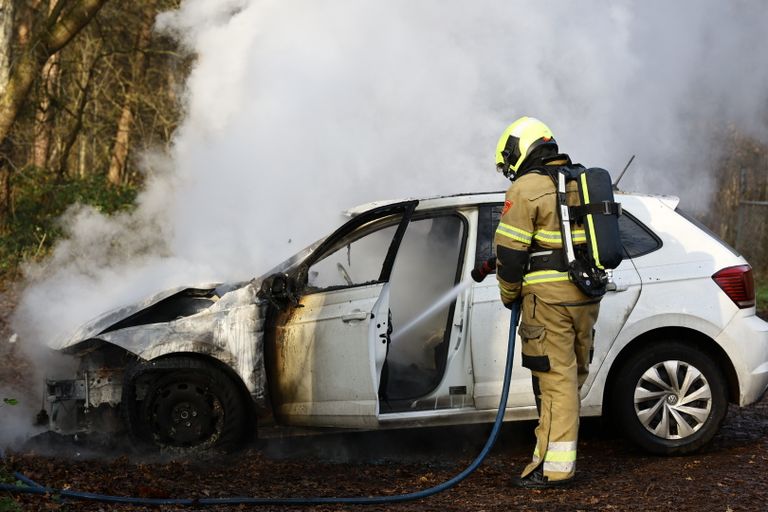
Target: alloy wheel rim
<point>672,399</point>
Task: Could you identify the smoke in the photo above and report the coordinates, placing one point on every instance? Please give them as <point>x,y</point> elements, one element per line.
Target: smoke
<point>296,110</point>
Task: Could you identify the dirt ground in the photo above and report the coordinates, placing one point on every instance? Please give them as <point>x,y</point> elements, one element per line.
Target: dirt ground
<point>728,475</point>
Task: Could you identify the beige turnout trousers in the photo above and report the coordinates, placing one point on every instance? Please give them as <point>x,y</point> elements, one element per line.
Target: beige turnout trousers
<point>556,345</point>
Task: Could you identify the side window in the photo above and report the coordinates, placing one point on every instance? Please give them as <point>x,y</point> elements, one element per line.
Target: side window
<point>357,258</point>
<point>636,238</point>
<point>487,222</point>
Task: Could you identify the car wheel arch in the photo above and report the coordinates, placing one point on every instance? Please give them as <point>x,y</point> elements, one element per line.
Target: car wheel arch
<point>684,334</point>
<point>187,348</point>
<point>205,350</point>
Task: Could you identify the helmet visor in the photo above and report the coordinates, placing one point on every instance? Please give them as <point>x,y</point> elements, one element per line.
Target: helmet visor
<point>510,155</point>
<point>511,151</point>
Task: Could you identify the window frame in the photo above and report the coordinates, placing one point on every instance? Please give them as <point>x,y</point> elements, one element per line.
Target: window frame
<point>332,243</point>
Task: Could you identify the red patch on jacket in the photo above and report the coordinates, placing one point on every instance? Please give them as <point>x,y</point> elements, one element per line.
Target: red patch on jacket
<point>507,206</point>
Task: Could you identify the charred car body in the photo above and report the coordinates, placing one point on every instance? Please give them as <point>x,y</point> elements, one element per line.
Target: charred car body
<point>329,340</point>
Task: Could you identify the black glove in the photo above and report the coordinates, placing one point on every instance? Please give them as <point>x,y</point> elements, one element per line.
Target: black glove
<point>509,305</point>
<point>487,267</point>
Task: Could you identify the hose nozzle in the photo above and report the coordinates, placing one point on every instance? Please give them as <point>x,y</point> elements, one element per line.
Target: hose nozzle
<point>481,271</point>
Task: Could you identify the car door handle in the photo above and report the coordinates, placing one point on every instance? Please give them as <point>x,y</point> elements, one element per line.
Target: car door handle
<point>354,316</point>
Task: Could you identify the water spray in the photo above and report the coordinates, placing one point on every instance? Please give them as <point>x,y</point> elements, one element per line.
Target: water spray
<point>439,304</point>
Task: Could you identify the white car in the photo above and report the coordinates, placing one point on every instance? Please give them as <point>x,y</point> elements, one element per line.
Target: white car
<point>338,336</point>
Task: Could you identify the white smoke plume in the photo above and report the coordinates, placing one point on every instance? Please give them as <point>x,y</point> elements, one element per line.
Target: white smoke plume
<point>298,109</point>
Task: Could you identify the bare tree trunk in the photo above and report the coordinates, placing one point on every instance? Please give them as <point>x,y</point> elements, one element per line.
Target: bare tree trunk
<point>6,199</point>
<point>79,113</point>
<point>6,38</point>
<point>81,163</point>
<point>117,164</point>
<point>45,111</point>
<point>122,143</point>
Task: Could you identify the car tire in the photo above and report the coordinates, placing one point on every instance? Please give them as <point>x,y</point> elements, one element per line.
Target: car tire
<point>190,406</point>
<point>670,398</point>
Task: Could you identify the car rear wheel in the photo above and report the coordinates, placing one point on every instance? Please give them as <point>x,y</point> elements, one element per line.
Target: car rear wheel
<point>194,407</point>
<point>670,398</point>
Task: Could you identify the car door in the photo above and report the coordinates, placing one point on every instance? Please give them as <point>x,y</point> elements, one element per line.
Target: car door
<point>490,322</point>
<point>329,349</point>
<point>624,288</point>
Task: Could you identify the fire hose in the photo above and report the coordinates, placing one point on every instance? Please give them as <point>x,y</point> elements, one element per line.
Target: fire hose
<point>29,486</point>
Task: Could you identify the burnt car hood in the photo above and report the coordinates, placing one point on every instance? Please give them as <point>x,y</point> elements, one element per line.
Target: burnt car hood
<point>112,320</point>
<point>120,318</point>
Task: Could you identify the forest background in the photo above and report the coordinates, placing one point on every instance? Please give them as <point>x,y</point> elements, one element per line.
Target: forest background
<point>87,88</point>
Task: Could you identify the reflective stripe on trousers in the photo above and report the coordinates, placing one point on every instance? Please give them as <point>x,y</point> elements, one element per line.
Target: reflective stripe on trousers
<point>560,457</point>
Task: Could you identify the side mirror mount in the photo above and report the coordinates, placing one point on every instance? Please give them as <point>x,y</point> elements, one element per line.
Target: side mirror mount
<point>280,290</point>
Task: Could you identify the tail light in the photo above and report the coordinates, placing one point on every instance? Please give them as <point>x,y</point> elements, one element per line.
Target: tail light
<point>738,285</point>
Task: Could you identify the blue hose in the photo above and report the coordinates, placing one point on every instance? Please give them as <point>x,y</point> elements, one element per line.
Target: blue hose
<point>32,487</point>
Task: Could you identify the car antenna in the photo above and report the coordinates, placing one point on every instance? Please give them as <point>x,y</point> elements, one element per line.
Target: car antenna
<point>616,184</point>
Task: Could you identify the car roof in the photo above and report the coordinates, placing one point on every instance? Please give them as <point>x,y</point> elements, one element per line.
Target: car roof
<point>475,198</point>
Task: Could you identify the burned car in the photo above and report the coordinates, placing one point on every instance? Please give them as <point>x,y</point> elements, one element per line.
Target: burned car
<point>376,327</point>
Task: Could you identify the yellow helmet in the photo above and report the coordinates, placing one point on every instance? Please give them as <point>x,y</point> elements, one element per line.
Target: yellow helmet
<point>518,141</point>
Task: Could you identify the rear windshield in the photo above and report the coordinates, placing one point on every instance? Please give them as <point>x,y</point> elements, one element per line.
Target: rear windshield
<point>696,222</point>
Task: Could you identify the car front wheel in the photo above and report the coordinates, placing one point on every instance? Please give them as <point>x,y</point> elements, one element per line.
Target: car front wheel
<point>193,407</point>
<point>670,398</point>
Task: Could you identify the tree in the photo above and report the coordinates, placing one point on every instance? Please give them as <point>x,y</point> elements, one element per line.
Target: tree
<point>6,39</point>
<point>49,81</point>
<point>119,158</point>
<point>57,29</point>
<point>110,93</point>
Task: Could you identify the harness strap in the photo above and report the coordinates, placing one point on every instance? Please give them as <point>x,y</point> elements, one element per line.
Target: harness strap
<point>553,259</point>
<point>564,215</point>
<point>598,208</point>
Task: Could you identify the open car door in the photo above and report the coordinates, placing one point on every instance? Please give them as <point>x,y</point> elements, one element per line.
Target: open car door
<point>329,351</point>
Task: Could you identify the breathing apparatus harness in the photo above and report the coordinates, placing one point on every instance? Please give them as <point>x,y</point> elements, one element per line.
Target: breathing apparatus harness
<point>598,212</point>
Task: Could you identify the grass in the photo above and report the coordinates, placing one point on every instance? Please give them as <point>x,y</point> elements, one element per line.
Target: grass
<point>7,503</point>
<point>761,294</point>
<point>40,199</point>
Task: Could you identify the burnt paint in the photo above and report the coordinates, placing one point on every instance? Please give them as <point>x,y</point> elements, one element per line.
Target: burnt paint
<point>185,303</point>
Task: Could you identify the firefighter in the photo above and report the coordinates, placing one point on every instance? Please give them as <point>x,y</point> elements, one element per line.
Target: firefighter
<point>557,319</point>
